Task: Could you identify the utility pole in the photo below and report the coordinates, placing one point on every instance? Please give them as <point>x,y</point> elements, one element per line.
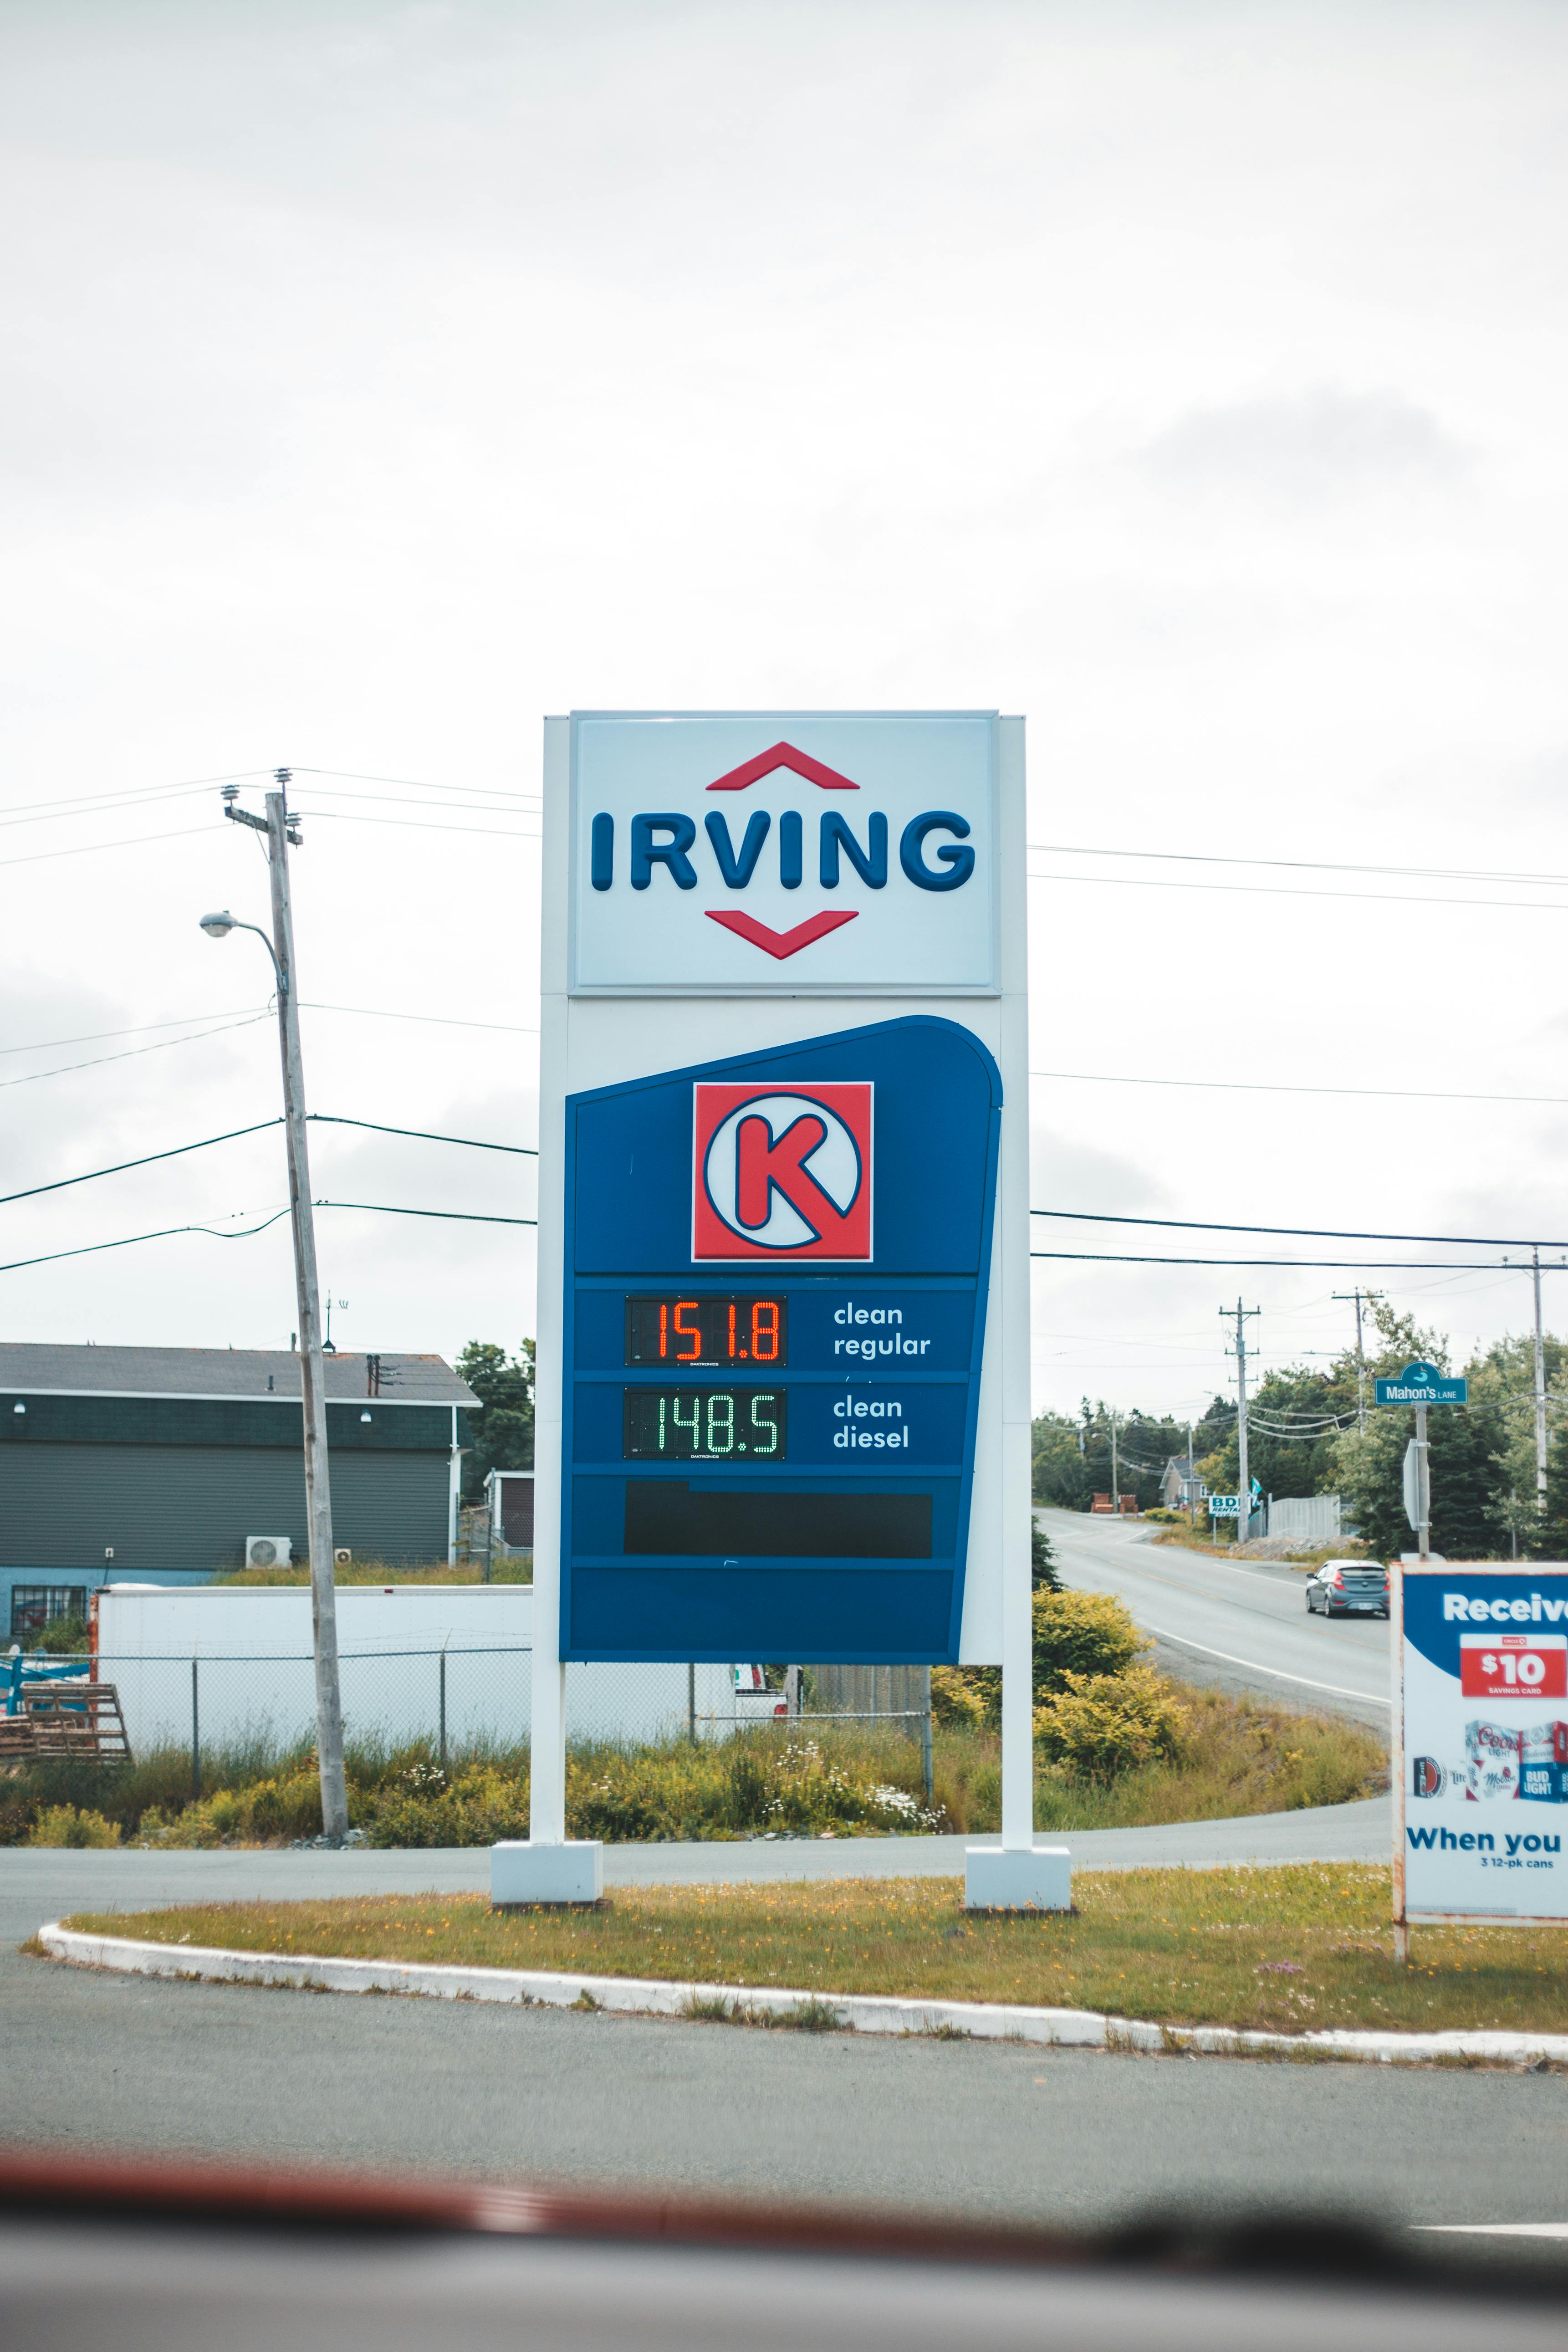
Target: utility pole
<point>1536,1270</point>
<point>1345,1297</point>
<point>280,831</point>
<point>1115,1474</point>
<point>1540,1395</point>
<point>1243,1482</point>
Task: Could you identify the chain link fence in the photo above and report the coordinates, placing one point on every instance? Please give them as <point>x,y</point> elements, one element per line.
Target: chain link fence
<point>463,1700</point>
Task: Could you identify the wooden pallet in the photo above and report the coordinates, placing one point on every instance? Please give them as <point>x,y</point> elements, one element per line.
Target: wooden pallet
<point>67,1719</point>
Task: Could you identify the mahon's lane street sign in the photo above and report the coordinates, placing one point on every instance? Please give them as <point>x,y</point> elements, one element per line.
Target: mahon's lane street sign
<point>1423,1383</point>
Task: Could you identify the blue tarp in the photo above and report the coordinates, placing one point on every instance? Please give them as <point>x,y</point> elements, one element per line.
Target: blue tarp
<point>27,1670</point>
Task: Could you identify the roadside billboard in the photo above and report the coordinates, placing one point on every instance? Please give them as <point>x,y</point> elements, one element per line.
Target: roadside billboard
<point>1481,1742</point>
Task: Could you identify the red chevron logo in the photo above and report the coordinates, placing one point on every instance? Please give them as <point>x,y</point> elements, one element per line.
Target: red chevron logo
<point>780,944</point>
<point>783,755</point>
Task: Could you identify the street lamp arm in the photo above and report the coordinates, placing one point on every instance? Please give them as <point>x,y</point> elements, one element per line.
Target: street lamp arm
<point>218,927</point>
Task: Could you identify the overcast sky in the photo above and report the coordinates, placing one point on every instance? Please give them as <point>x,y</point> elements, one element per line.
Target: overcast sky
<point>1189,378</point>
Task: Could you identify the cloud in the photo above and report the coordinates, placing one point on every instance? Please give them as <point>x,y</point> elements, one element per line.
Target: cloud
<point>1067,1174</point>
<point>1306,448</point>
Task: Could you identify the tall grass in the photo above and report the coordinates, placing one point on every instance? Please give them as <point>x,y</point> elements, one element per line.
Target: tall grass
<point>792,1780</point>
<point>518,1568</point>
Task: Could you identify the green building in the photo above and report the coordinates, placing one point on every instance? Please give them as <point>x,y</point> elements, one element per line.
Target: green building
<point>159,1466</point>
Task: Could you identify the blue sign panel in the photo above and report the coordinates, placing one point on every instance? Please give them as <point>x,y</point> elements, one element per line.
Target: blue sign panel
<point>1422,1383</point>
<point>775,1316</point>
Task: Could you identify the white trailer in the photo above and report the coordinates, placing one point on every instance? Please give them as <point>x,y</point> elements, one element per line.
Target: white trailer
<point>232,1664</point>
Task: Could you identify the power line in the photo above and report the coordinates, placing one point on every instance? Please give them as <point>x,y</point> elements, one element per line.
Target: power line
<point>174,1151</point>
<point>127,1241</point>
<point>473,1143</point>
<point>237,1012</point>
<point>1285,865</point>
<point>131,1053</point>
<point>1284,890</point>
<point>434,1020</point>
<point>139,1029</point>
<point>1331,1264</point>
<point>415,783</point>
<point>410,823</point>
<point>1262,1086</point>
<point>323,1118</point>
<point>110,804</point>
<point>1303,1232</point>
<point>99,801</point>
<point>165,1233</point>
<point>458,1216</point>
<point>86,848</point>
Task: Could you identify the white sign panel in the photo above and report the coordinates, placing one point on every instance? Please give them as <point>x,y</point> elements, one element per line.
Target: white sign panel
<point>854,854</point>
<point>1483,1746</point>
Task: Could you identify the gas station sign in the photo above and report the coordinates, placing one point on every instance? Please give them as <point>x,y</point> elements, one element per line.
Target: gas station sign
<point>781,1408</point>
<point>782,1472</point>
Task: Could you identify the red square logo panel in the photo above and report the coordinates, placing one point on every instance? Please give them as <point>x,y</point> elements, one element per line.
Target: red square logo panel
<point>782,1172</point>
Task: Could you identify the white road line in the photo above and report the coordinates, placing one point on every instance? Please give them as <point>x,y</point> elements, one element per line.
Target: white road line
<point>1368,1698</point>
<point>1497,2229</point>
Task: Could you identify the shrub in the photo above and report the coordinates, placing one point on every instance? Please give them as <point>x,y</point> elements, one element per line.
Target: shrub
<point>423,1808</point>
<point>72,1825</point>
<point>264,1813</point>
<point>1103,1725</point>
<point>62,1637</point>
<point>1081,1633</point>
<point>965,1696</point>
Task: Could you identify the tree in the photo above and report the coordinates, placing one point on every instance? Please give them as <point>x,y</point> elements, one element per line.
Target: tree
<point>1072,1458</point>
<point>1044,1576</point>
<point>1478,1452</point>
<point>501,1432</point>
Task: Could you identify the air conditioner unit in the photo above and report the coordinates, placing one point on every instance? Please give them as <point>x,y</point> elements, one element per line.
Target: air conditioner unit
<point>268,1551</point>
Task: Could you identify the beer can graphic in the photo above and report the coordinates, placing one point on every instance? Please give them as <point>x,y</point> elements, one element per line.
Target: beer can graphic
<point>1493,1755</point>
<point>1427,1777</point>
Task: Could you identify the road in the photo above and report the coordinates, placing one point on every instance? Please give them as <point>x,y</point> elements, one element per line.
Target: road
<point>1241,1625</point>
<point>105,2062</point>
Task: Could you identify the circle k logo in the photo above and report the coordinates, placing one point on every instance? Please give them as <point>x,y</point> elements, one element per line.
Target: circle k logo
<point>782,1172</point>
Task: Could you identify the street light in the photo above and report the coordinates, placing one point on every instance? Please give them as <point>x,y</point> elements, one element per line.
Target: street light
<point>218,927</point>
<point>280,830</point>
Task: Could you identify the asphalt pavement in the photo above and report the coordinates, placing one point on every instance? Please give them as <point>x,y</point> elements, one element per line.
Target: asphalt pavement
<point>1236,1624</point>
<point>99,2062</point>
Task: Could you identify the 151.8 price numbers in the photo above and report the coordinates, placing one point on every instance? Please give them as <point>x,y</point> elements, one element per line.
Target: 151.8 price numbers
<point>702,1424</point>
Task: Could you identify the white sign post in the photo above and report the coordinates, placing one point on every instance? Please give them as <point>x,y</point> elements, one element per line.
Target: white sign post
<point>720,883</point>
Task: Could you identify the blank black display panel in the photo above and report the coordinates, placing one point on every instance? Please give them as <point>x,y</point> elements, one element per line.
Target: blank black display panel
<point>666,1514</point>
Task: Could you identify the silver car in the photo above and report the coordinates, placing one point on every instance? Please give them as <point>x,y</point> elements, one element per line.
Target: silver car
<point>1349,1587</point>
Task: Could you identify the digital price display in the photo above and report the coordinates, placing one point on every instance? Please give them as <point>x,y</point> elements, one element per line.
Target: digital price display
<point>662,1424</point>
<point>706,1331</point>
<point>805,1226</point>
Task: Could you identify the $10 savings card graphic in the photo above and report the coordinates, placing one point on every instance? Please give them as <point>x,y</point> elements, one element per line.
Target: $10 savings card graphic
<point>1486,1741</point>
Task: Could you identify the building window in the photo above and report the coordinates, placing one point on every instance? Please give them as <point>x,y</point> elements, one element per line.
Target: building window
<point>34,1606</point>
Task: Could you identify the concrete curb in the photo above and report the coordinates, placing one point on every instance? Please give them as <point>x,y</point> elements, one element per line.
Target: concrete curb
<point>1073,2029</point>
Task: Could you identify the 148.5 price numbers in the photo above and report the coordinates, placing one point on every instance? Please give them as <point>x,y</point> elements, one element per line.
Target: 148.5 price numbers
<point>702,1424</point>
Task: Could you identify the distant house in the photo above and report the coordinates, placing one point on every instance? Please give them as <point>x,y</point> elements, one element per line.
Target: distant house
<point>1176,1487</point>
<point>155,1465</point>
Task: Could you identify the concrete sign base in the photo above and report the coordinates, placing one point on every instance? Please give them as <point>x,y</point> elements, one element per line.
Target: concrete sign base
<point>1026,1878</point>
<point>522,1872</point>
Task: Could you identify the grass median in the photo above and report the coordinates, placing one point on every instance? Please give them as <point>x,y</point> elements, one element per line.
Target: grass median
<point>1288,1949</point>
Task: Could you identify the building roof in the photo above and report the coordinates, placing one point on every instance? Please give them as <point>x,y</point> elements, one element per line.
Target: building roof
<point>43,1368</point>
